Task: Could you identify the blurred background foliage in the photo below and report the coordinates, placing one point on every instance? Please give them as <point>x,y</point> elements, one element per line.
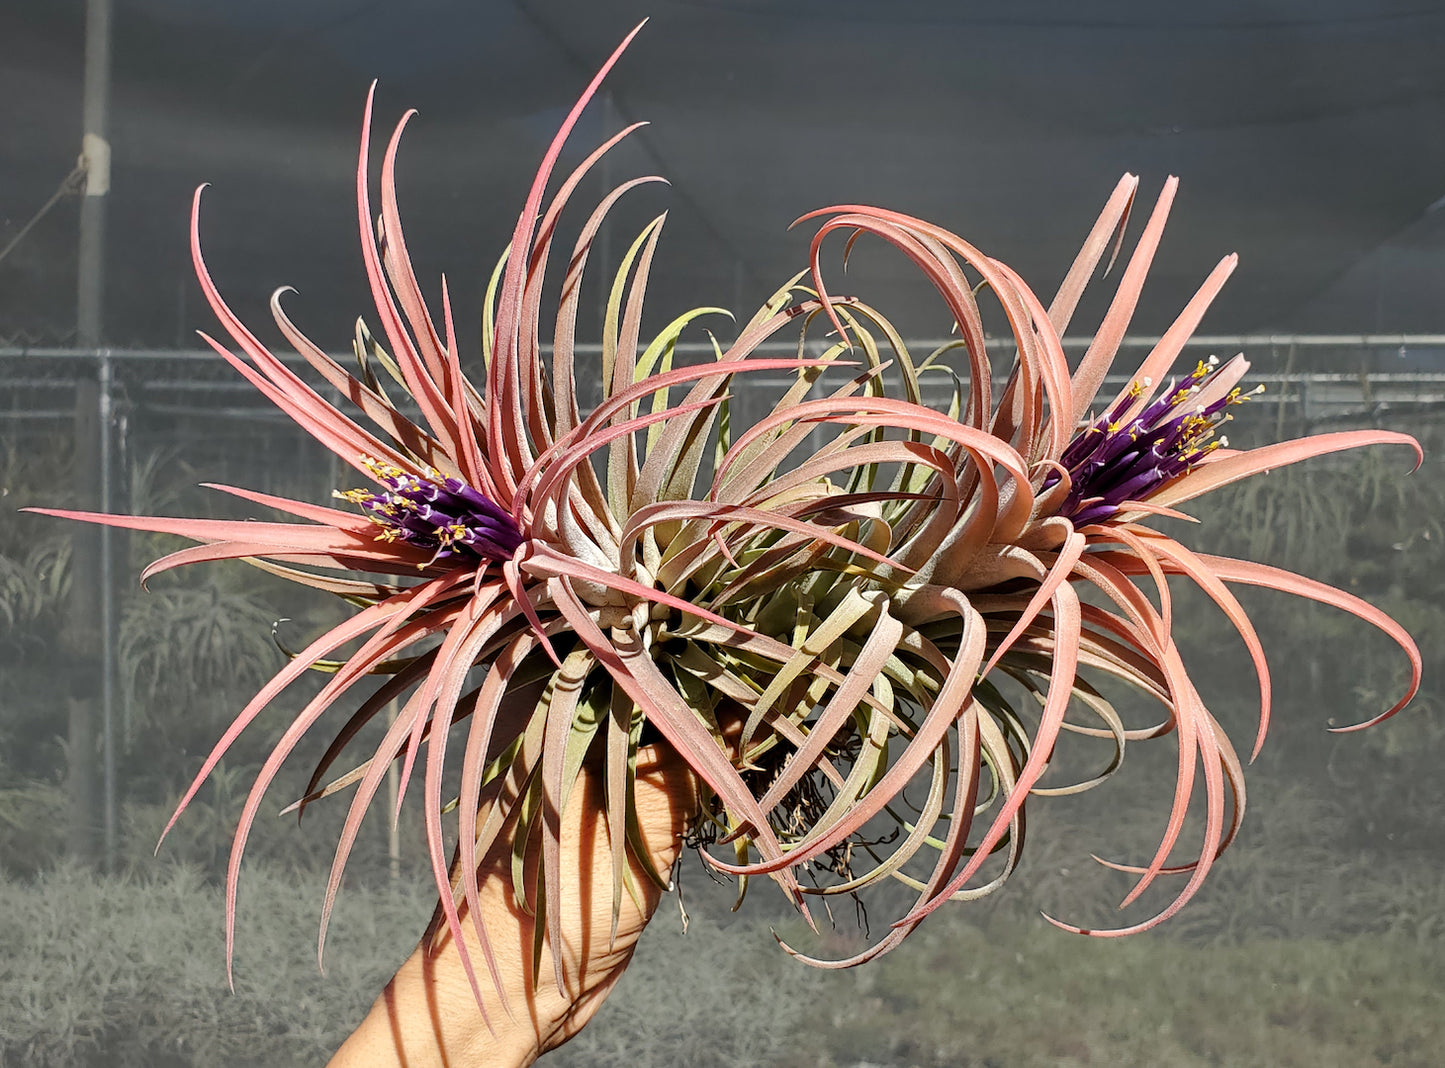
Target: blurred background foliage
<point>1334,890</point>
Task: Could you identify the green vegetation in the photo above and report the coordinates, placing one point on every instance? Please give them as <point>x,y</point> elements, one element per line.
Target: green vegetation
<point>1316,940</point>
<point>1012,996</point>
<point>128,972</point>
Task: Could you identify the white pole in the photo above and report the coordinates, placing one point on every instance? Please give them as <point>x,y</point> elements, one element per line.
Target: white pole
<point>90,297</point>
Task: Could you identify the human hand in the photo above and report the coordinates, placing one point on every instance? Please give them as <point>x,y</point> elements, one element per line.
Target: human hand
<point>427,1016</point>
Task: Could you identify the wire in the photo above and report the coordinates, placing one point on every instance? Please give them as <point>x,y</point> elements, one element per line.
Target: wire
<point>70,184</point>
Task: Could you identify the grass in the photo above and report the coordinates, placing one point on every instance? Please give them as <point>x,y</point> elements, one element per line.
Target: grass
<point>1016,996</point>
<point>128,971</point>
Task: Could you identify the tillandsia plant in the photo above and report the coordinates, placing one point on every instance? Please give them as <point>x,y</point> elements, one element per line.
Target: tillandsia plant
<point>815,611</point>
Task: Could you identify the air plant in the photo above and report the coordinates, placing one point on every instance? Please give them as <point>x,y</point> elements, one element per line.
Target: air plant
<point>815,611</point>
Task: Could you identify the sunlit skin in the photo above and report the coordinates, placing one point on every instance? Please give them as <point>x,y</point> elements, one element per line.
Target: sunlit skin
<point>427,1017</point>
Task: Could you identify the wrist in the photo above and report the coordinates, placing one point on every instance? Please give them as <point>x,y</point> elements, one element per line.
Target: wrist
<point>428,1017</point>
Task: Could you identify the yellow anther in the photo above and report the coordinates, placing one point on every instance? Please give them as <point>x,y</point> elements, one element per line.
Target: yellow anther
<point>381,468</point>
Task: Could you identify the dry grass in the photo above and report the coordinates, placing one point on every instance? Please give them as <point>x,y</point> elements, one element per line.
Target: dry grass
<point>1019,996</point>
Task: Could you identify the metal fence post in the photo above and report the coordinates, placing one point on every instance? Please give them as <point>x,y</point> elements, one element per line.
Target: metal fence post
<point>107,617</point>
<point>93,442</point>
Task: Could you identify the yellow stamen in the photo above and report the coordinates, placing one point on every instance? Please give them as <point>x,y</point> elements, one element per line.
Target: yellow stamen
<point>382,469</point>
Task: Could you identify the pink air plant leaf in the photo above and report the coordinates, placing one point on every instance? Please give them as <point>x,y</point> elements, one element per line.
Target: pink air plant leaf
<point>855,581</point>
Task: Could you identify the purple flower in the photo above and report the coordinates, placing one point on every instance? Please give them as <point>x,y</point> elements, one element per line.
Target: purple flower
<point>1124,456</point>
<point>442,514</point>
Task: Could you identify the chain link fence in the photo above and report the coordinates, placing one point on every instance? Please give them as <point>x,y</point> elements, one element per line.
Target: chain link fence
<point>136,430</point>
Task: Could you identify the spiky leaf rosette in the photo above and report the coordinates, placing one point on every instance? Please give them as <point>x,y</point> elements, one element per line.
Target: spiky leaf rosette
<point>813,611</point>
